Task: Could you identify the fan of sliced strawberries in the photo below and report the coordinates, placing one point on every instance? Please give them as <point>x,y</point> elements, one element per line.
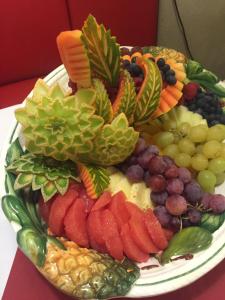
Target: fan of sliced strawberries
<point>110,225</point>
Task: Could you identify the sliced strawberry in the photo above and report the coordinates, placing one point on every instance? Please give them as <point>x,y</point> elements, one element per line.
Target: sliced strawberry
<point>168,233</point>
<point>45,207</point>
<point>111,234</point>
<point>75,223</point>
<point>95,228</point>
<point>89,203</point>
<point>155,229</point>
<point>119,210</point>
<point>133,209</point>
<point>130,247</point>
<point>141,236</point>
<point>102,201</point>
<point>96,246</point>
<point>59,209</point>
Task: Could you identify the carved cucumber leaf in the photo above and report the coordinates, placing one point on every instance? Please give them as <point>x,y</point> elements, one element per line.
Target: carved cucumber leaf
<point>96,179</point>
<point>103,51</point>
<point>149,94</point>
<point>126,97</point>
<point>102,103</point>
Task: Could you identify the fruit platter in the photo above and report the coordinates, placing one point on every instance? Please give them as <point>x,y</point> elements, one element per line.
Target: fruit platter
<point>114,169</point>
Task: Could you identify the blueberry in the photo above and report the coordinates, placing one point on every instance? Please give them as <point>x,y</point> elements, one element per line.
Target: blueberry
<point>211,117</point>
<point>170,72</point>
<point>199,111</point>
<point>135,70</point>
<point>207,98</point>
<point>171,80</point>
<point>133,60</point>
<point>219,110</point>
<point>200,102</point>
<point>125,63</point>
<point>165,68</point>
<point>161,63</point>
<point>200,95</point>
<point>222,119</point>
<point>192,107</point>
<point>214,122</point>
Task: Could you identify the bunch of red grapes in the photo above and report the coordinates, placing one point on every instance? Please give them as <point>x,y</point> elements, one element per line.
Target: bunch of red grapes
<point>179,200</point>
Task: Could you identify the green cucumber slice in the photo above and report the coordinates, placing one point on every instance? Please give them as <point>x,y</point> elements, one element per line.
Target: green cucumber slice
<point>212,222</point>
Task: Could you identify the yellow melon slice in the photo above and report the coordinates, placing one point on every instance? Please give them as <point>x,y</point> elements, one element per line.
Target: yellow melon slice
<point>171,94</point>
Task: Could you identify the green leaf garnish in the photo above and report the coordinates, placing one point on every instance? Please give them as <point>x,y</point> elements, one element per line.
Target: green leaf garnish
<point>15,151</point>
<point>33,245</point>
<point>103,51</point>
<point>188,241</point>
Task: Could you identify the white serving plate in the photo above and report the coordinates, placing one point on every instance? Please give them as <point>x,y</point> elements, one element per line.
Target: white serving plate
<point>159,280</point>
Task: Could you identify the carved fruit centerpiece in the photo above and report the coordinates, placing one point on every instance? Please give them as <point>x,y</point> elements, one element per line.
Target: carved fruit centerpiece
<point>91,194</point>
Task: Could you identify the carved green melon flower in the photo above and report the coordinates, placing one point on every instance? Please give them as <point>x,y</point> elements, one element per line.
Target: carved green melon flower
<point>58,125</point>
<point>44,173</point>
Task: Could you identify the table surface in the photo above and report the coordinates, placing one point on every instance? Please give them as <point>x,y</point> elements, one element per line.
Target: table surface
<point>209,287</point>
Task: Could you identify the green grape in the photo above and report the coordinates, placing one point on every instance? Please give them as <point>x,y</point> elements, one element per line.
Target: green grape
<point>220,178</point>
<point>171,150</point>
<point>186,146</point>
<point>212,149</point>
<point>216,133</point>
<point>163,139</point>
<point>183,160</point>
<point>199,162</point>
<point>217,165</point>
<point>207,180</point>
<point>222,152</point>
<point>198,134</point>
<point>198,149</point>
<point>184,128</point>
<point>169,125</point>
<point>176,137</point>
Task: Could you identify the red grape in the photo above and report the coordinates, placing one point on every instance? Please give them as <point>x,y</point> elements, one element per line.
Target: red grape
<point>194,216</point>
<point>140,146</point>
<point>135,173</point>
<point>175,223</point>
<point>168,160</point>
<point>193,192</point>
<point>157,183</point>
<point>171,172</point>
<point>153,149</point>
<point>176,205</point>
<point>157,165</point>
<point>217,203</point>
<point>184,175</point>
<point>132,160</point>
<point>159,198</point>
<point>205,200</point>
<point>144,159</point>
<point>162,215</point>
<point>175,186</point>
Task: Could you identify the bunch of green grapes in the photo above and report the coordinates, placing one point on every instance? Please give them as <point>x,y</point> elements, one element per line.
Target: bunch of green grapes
<point>198,148</point>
